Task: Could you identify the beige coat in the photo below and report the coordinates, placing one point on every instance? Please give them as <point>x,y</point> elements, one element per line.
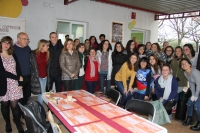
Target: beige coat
<point>69,64</point>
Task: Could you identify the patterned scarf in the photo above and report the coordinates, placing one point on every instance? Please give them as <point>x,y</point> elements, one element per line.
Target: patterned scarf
<point>92,70</point>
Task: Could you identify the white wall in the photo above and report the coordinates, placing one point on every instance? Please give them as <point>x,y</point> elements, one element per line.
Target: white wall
<point>41,20</point>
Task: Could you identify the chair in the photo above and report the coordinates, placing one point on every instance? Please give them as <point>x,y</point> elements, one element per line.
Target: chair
<point>141,107</point>
<point>114,95</point>
<point>55,127</point>
<point>29,114</point>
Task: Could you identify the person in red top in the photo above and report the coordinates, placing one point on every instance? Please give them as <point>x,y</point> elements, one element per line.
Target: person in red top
<point>91,70</point>
<point>42,57</point>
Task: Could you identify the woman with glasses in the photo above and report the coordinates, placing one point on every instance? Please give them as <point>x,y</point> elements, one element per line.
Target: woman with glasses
<point>11,84</point>
<point>169,51</point>
<point>192,75</point>
<point>70,65</point>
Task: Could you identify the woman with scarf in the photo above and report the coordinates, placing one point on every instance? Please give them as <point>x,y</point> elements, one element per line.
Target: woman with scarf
<point>92,68</point>
<point>166,87</point>
<point>169,51</point>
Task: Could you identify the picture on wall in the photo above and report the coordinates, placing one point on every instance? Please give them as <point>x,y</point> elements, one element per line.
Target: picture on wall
<point>117,32</point>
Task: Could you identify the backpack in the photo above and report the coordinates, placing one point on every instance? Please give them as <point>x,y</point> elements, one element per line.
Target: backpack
<point>38,111</point>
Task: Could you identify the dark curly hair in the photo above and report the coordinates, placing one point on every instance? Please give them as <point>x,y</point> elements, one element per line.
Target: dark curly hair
<point>10,41</point>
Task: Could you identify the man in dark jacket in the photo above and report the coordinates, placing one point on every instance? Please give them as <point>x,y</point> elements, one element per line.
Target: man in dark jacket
<point>55,49</point>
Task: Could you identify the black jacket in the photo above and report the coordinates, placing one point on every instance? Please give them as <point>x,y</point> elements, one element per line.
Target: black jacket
<point>55,69</point>
<point>4,75</point>
<point>118,60</point>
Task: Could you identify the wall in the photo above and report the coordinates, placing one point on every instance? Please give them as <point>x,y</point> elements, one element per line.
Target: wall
<point>41,20</point>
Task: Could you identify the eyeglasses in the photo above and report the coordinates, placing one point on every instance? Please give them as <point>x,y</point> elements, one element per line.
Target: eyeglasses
<point>168,50</point>
<point>25,39</point>
<point>183,64</point>
<point>6,43</point>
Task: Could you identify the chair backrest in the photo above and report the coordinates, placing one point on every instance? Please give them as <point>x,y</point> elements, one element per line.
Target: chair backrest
<point>55,127</point>
<point>114,95</point>
<point>29,114</point>
<point>141,107</point>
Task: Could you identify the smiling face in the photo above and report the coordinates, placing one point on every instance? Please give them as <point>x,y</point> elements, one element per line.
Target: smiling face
<point>186,50</point>
<point>141,50</point>
<point>165,71</point>
<point>168,51</point>
<point>5,45</point>
<point>69,45</point>
<point>154,47</point>
<point>178,52</point>
<point>152,60</point>
<point>53,38</point>
<point>92,53</point>
<point>92,40</point>
<point>132,46</point>
<point>105,45</point>
<point>148,46</point>
<point>23,40</point>
<point>45,47</point>
<point>81,49</point>
<point>133,59</point>
<point>118,48</point>
<point>185,65</point>
<point>143,64</point>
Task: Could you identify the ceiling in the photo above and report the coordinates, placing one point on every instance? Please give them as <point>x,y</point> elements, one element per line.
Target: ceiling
<point>158,6</point>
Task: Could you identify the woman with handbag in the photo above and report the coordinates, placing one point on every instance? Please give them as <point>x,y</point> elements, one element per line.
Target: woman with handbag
<point>11,84</point>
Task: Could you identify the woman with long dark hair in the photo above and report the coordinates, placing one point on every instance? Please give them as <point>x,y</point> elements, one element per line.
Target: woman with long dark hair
<point>155,48</point>
<point>169,51</point>
<point>93,42</point>
<point>130,48</point>
<point>118,59</point>
<point>126,72</point>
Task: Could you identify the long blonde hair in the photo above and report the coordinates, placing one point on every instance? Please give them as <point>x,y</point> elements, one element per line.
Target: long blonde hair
<point>41,44</point>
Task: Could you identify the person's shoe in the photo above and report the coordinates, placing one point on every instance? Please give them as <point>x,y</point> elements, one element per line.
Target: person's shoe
<point>20,129</point>
<point>8,129</point>
<point>196,127</point>
<point>188,121</point>
<point>170,117</point>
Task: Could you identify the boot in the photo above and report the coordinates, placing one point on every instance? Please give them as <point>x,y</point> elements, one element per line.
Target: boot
<point>8,128</point>
<point>188,121</point>
<point>196,127</point>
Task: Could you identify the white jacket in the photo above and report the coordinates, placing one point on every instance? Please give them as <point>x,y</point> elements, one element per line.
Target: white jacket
<point>99,54</point>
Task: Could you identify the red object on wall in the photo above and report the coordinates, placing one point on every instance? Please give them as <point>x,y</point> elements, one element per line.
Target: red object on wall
<point>133,16</point>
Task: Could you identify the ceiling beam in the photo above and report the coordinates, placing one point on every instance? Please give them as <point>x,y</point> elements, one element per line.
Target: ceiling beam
<point>129,6</point>
<point>66,2</point>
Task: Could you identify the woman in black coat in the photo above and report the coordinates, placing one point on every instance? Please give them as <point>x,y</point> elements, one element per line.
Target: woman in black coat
<point>118,59</point>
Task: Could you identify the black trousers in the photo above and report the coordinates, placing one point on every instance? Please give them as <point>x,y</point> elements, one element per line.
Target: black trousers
<point>69,84</point>
<point>26,89</point>
<point>168,106</point>
<point>58,83</point>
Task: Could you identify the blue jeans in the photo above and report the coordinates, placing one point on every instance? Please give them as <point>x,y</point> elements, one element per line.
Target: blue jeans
<point>138,96</point>
<point>125,98</point>
<point>43,82</point>
<point>195,105</point>
<point>103,77</point>
<point>91,85</point>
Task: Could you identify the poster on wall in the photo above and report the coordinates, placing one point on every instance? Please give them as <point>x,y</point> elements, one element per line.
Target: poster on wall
<point>11,27</point>
<point>117,32</point>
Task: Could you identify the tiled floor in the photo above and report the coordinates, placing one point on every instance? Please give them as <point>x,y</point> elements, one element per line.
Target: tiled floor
<point>174,127</point>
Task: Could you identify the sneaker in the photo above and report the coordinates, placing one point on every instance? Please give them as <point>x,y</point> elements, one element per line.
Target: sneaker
<point>170,117</point>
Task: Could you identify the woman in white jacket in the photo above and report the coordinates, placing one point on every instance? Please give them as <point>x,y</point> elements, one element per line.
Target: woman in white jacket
<point>105,60</point>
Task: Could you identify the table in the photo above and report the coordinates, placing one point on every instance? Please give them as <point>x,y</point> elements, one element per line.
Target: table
<point>88,113</point>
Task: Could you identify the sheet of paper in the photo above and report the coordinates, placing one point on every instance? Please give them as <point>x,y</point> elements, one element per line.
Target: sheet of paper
<point>98,127</point>
<point>137,124</point>
<point>79,93</point>
<point>64,105</point>
<point>78,116</point>
<point>110,110</point>
<point>91,100</point>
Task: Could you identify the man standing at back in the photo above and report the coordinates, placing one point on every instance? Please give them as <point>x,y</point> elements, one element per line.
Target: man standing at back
<point>22,51</point>
<point>55,49</point>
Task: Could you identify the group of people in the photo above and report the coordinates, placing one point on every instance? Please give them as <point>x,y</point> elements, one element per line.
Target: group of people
<point>144,72</point>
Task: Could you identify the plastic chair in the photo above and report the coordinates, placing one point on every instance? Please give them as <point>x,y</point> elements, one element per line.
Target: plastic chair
<point>29,114</point>
<point>55,127</point>
<point>114,95</point>
<point>141,107</point>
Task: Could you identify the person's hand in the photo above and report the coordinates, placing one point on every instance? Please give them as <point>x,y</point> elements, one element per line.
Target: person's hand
<point>125,91</point>
<point>185,89</point>
<point>131,90</point>
<point>146,98</point>
<point>153,90</point>
<point>195,98</point>
<point>20,78</point>
<point>192,98</point>
<point>161,99</point>
<point>73,75</point>
<point>20,87</point>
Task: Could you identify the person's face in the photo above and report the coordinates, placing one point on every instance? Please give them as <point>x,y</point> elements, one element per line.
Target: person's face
<point>81,49</point>
<point>135,39</point>
<point>118,48</point>
<point>92,40</point>
<point>5,45</point>
<point>143,64</point>
<point>105,45</point>
<point>185,65</point>
<point>77,42</point>
<point>152,60</point>
<point>23,40</point>
<point>45,48</point>
<point>178,52</point>
<point>54,38</point>
<point>153,48</point>
<point>69,45</point>
<point>87,43</point>
<point>132,46</point>
<point>165,45</point>
<point>141,50</point>
<point>67,37</point>
<point>148,46</point>
<point>101,38</point>
<point>186,50</point>
<point>92,53</point>
<point>168,51</point>
<point>133,59</point>
<point>165,71</point>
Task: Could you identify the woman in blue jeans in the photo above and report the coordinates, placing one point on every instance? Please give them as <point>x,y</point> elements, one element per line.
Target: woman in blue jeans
<point>105,59</point>
<point>128,70</point>
<point>192,75</point>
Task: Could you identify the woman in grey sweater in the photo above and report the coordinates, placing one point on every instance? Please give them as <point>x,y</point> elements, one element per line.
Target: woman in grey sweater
<point>192,75</point>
